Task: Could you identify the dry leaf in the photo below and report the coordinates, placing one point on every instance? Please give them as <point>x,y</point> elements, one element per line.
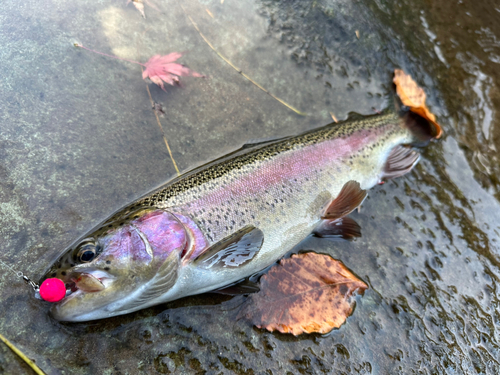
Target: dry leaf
<point>333,117</point>
<point>163,69</point>
<point>303,294</point>
<point>413,96</point>
<point>138,5</point>
<point>209,13</point>
<point>159,69</point>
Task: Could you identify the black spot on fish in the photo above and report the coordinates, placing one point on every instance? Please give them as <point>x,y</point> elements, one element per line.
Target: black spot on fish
<point>106,268</point>
<point>108,262</point>
<point>63,273</point>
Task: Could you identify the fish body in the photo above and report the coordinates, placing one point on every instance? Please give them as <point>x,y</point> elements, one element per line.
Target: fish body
<point>231,218</point>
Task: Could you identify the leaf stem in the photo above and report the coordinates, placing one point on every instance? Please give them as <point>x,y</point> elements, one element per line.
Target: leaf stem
<point>239,70</point>
<point>163,133</point>
<point>105,54</point>
<point>28,361</point>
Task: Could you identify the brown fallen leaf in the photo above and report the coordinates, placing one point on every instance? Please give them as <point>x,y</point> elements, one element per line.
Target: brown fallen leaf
<point>333,117</point>
<point>139,5</point>
<point>303,294</point>
<point>414,97</point>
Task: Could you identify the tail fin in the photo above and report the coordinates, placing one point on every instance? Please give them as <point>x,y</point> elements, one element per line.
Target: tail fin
<point>410,101</point>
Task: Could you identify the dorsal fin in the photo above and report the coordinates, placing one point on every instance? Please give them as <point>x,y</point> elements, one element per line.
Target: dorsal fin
<point>234,250</point>
<point>350,197</point>
<point>355,116</point>
<point>244,287</point>
<point>262,141</point>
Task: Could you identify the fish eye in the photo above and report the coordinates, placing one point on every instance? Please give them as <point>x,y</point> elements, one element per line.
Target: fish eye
<point>87,256</point>
<point>87,252</point>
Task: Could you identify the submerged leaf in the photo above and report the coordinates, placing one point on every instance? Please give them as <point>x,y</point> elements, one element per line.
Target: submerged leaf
<point>414,97</point>
<point>139,5</point>
<point>303,294</point>
<point>163,69</point>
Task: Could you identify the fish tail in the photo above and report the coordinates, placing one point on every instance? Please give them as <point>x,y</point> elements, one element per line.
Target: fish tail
<point>409,102</point>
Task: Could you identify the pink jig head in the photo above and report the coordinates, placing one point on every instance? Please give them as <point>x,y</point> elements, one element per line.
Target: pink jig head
<point>52,290</point>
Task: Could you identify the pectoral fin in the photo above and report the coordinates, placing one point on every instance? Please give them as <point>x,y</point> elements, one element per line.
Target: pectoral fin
<point>244,287</point>
<point>233,251</point>
<point>343,228</point>
<point>164,279</point>
<point>350,197</point>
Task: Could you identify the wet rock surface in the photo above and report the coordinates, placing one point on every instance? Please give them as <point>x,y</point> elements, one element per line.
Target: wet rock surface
<point>79,139</point>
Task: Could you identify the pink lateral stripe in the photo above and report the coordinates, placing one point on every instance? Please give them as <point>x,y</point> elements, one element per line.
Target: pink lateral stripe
<point>299,163</point>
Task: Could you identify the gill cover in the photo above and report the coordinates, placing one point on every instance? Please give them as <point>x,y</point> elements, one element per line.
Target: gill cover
<point>130,264</point>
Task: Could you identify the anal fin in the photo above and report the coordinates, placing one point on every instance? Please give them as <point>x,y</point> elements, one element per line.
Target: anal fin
<point>233,251</point>
<point>400,161</point>
<point>343,228</point>
<point>350,197</point>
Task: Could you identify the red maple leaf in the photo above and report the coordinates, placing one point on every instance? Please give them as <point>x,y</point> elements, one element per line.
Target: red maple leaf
<point>163,69</point>
<point>159,69</point>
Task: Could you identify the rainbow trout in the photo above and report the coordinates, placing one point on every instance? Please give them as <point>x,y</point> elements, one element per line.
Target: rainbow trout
<point>231,218</point>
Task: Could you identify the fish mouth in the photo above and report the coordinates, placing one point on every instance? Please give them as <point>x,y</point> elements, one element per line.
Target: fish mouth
<point>88,281</point>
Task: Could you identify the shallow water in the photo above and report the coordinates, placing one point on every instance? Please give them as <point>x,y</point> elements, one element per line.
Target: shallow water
<point>79,140</point>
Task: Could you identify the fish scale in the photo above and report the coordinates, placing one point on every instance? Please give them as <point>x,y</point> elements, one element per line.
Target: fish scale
<point>283,201</point>
<point>217,170</point>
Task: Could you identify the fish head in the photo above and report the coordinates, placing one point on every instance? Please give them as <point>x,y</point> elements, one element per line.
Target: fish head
<point>110,268</point>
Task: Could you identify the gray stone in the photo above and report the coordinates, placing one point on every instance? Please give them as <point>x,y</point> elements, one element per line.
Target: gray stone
<point>78,140</point>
